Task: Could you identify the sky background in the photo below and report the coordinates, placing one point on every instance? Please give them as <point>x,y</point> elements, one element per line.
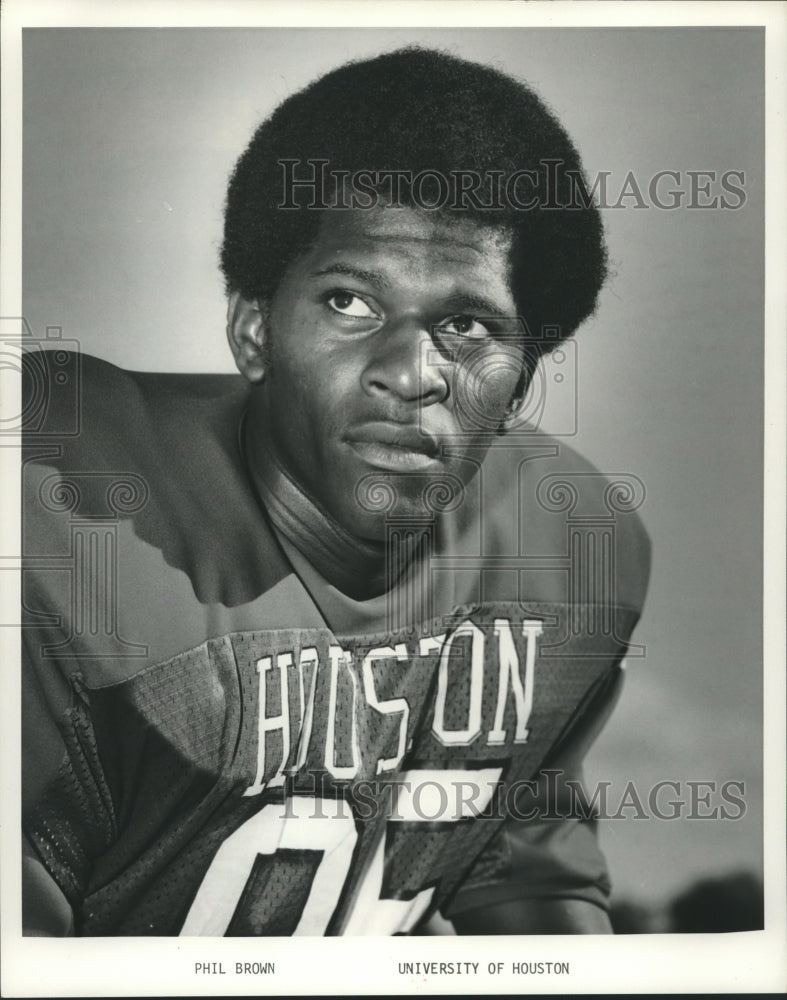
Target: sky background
<point>129,138</point>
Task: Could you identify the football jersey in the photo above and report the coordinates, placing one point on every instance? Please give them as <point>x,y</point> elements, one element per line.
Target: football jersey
<point>217,741</point>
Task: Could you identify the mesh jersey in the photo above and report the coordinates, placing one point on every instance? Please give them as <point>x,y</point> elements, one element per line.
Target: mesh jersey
<point>216,741</point>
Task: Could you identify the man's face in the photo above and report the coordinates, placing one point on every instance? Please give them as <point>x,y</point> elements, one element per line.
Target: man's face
<point>393,356</point>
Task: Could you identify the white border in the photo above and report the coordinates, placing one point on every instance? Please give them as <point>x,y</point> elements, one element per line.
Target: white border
<point>754,962</point>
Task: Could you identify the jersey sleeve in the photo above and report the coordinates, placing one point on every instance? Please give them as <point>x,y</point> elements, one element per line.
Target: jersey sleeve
<point>66,812</point>
<point>45,910</point>
<point>539,858</point>
<point>549,848</point>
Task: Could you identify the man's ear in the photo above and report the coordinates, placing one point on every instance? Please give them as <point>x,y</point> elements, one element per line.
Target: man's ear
<point>247,333</point>
<point>511,416</point>
<point>514,410</point>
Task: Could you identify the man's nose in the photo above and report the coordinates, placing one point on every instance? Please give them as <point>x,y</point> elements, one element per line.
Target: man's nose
<point>405,365</point>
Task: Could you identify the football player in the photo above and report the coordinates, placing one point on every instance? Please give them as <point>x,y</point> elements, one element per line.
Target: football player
<point>318,650</point>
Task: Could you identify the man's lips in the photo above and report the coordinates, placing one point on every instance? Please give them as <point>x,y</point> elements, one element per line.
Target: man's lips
<point>394,447</point>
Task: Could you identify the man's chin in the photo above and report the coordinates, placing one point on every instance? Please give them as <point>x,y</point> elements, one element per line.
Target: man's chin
<point>368,527</point>
<point>382,499</point>
<point>382,533</point>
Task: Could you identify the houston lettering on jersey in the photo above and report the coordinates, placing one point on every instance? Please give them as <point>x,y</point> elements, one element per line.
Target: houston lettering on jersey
<point>355,722</point>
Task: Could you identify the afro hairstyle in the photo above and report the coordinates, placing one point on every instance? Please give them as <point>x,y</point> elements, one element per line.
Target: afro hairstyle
<point>414,110</point>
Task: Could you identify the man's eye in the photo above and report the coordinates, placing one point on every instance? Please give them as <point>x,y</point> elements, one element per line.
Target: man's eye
<point>350,305</point>
<point>465,326</point>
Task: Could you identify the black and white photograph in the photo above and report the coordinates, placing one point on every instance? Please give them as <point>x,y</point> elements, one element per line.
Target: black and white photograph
<point>392,413</point>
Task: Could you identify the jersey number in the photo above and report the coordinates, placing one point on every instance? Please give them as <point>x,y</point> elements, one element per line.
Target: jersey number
<point>283,874</point>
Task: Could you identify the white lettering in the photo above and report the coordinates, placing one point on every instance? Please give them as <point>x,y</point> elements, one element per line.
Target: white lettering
<point>390,707</point>
<point>308,658</point>
<point>272,723</point>
<point>509,672</point>
<point>461,737</point>
<point>341,657</point>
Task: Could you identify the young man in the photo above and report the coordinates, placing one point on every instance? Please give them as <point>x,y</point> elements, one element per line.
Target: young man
<point>319,651</point>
